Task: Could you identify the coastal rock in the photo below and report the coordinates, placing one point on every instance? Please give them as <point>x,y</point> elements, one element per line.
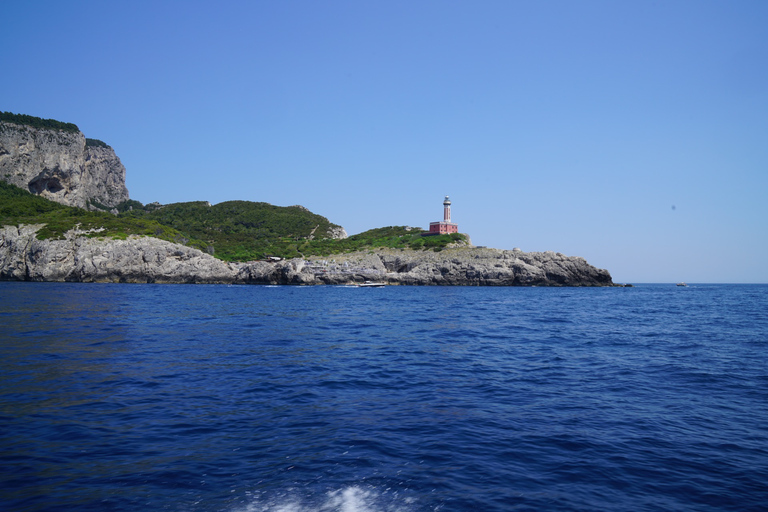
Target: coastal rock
<point>60,166</point>
<point>337,233</point>
<point>84,259</point>
<point>466,266</point>
<point>87,258</point>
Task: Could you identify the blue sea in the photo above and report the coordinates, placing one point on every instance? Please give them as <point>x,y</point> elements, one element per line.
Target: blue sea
<point>409,399</point>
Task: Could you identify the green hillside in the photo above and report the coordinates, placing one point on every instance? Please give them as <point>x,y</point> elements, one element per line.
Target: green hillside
<point>231,231</point>
<point>245,231</point>
<point>17,206</point>
<point>241,230</point>
<point>396,237</point>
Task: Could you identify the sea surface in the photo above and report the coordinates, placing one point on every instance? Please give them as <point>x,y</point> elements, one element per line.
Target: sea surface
<point>293,399</point>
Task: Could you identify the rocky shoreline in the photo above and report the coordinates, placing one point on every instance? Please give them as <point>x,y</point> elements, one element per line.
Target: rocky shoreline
<point>57,162</point>
<point>81,258</point>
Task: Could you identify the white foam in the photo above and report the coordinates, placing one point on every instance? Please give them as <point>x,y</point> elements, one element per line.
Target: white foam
<point>350,499</point>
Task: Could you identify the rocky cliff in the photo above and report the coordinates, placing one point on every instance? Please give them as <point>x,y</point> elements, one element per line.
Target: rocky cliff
<point>79,258</point>
<point>145,260</point>
<point>60,165</point>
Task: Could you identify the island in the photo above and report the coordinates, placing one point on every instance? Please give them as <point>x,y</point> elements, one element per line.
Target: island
<point>66,215</point>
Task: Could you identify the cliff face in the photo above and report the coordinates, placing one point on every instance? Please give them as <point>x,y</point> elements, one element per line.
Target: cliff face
<point>58,165</point>
<point>83,259</point>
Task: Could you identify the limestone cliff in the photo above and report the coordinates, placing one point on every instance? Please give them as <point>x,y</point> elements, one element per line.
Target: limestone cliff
<point>60,165</point>
<point>80,258</point>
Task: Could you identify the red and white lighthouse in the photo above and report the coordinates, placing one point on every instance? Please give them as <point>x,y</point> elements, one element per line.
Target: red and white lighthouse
<point>445,226</point>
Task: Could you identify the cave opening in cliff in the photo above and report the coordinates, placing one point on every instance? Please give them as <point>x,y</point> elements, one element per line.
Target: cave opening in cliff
<point>52,185</point>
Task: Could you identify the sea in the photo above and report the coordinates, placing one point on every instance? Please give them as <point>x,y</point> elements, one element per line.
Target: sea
<point>122,397</point>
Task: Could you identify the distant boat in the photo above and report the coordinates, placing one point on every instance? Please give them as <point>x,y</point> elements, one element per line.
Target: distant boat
<point>371,284</point>
<point>681,284</point>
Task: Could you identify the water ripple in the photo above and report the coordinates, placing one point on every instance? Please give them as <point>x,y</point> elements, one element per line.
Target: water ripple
<point>239,399</point>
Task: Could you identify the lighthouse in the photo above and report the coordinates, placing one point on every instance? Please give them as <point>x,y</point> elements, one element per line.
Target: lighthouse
<point>445,226</point>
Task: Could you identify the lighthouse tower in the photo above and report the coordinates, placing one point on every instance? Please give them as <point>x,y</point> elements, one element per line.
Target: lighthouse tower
<point>445,226</point>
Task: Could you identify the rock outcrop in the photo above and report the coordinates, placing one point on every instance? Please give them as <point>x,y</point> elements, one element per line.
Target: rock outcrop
<point>82,258</point>
<point>464,266</point>
<point>60,165</point>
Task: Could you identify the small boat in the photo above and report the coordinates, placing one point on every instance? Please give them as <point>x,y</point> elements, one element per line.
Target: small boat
<point>681,284</point>
<point>371,284</point>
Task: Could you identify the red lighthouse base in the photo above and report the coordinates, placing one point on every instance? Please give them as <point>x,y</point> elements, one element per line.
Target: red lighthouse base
<point>443,228</point>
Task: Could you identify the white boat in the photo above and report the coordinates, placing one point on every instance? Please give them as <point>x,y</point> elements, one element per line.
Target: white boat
<point>681,284</point>
<point>371,284</point>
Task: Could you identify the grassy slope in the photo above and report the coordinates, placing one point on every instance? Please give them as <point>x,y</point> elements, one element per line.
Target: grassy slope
<point>241,230</point>
<point>244,231</point>
<point>232,231</point>
<point>17,206</point>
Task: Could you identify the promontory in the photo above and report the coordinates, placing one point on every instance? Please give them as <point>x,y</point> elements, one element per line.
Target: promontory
<point>65,215</point>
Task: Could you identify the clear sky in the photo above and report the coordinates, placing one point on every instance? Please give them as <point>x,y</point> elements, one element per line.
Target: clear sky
<point>634,134</point>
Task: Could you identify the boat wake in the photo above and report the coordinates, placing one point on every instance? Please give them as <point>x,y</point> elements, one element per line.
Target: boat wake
<point>350,499</point>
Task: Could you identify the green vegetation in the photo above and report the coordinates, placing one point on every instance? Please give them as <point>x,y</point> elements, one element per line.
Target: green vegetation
<point>393,237</point>
<point>96,143</point>
<point>17,206</point>
<point>130,204</point>
<point>37,122</point>
<point>232,231</point>
<point>242,230</point>
<point>92,203</point>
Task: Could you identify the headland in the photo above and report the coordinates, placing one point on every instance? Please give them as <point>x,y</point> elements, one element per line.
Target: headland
<point>66,216</point>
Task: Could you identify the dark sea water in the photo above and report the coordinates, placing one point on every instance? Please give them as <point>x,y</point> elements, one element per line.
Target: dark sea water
<point>293,399</point>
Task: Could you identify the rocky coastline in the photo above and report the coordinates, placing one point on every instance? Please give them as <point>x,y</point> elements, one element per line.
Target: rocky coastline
<point>83,258</point>
<point>54,160</point>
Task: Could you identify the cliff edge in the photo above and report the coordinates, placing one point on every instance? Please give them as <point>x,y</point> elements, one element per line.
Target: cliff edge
<point>61,165</point>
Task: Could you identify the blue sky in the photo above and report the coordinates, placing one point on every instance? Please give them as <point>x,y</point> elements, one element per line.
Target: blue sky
<point>634,134</point>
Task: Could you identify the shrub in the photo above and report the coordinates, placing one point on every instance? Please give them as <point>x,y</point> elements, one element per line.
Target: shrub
<point>96,143</point>
<point>37,122</point>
